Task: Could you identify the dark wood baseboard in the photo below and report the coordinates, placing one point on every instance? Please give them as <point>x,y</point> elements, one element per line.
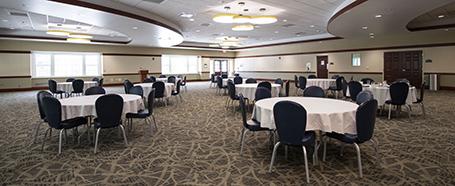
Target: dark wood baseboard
<point>446,88</point>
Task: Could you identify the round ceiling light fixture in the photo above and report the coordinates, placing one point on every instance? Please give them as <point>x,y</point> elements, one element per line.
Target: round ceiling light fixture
<point>81,36</point>
<point>78,40</point>
<point>248,27</point>
<point>58,33</point>
<point>261,20</point>
<point>224,18</point>
<point>241,19</point>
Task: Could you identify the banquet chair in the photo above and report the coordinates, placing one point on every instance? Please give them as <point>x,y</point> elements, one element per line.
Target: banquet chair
<point>420,99</point>
<point>312,76</point>
<point>101,82</point>
<point>213,80</point>
<point>302,83</point>
<point>364,96</point>
<point>290,121</point>
<point>286,89</point>
<point>398,95</point>
<point>251,80</point>
<point>345,89</point>
<point>262,93</point>
<point>78,87</point>
<point>146,114</point>
<point>338,86</point>
<point>179,76</point>
<point>159,91</point>
<point>171,79</point>
<point>183,83</point>
<point>176,93</point>
<point>232,95</point>
<point>335,76</point>
<point>279,81</point>
<point>219,83</point>
<point>403,80</point>
<point>39,97</point>
<point>95,90</point>
<point>137,90</point>
<point>127,85</point>
<point>365,120</point>
<point>148,80</point>
<point>314,91</point>
<point>96,79</point>
<point>70,79</point>
<point>238,80</point>
<point>367,80</point>
<point>265,84</point>
<point>162,76</point>
<point>109,110</point>
<point>354,89</point>
<point>224,75</point>
<point>53,112</point>
<point>152,79</point>
<point>249,125</point>
<point>296,84</point>
<point>53,89</point>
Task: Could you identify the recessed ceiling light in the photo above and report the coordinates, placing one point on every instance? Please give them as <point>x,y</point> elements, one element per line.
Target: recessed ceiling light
<point>191,19</point>
<point>81,36</point>
<point>312,26</point>
<point>5,20</point>
<point>441,16</point>
<point>318,31</point>
<point>378,16</point>
<point>78,40</point>
<point>365,27</point>
<point>446,29</point>
<point>185,15</point>
<point>243,28</point>
<point>12,28</point>
<point>372,37</point>
<point>198,30</point>
<point>241,3</point>
<point>58,33</point>
<point>285,20</point>
<point>276,32</point>
<point>135,28</point>
<point>262,9</point>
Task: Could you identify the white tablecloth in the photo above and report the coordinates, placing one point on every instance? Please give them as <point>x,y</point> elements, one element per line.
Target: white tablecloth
<point>327,115</point>
<point>249,90</point>
<point>68,86</point>
<point>382,94</point>
<point>165,79</point>
<point>147,87</point>
<point>323,83</point>
<point>85,105</point>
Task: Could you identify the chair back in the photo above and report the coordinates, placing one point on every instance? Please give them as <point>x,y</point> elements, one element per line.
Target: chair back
<point>219,81</point>
<point>159,89</point>
<point>345,88</point>
<point>312,76</point>
<point>78,86</point>
<point>313,91</point>
<point>251,80</point>
<point>367,80</point>
<point>152,79</point>
<point>339,82</point>
<point>52,85</point>
<point>70,79</point>
<point>136,90</point>
<point>109,109</point>
<point>231,89</point>
<point>213,78</point>
<point>290,121</point>
<point>96,79</point>
<point>302,82</point>
<point>177,89</point>
<point>364,96</point>
<point>243,110</point>
<point>162,76</point>
<point>127,86</point>
<point>265,84</point>
<point>151,101</point>
<point>183,83</point>
<point>399,93</point>
<point>171,79</point>
<point>101,82</point>
<point>179,76</point>
<point>365,120</point>
<point>279,81</point>
<point>148,80</point>
<point>296,81</point>
<point>354,89</point>
<point>41,94</point>
<point>422,91</point>
<point>238,80</point>
<point>286,93</point>
<point>403,80</point>
<point>53,111</point>
<point>95,90</point>
<point>224,75</point>
<point>262,93</point>
<point>335,76</point>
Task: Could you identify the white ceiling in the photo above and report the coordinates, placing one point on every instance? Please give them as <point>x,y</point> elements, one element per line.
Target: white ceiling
<point>295,18</point>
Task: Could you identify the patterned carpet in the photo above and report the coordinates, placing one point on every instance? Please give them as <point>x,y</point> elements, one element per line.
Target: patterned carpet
<point>197,143</point>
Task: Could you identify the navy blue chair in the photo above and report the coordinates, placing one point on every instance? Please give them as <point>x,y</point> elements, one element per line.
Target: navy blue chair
<point>354,89</point>
<point>127,85</point>
<point>365,121</point>
<point>265,84</point>
<point>367,80</point>
<point>101,82</point>
<point>345,88</point>
<point>162,76</point>
<point>176,92</point>
<point>279,81</point>
<point>96,79</point>
<point>137,90</point>
<point>251,80</point>
<point>286,89</point>
<point>109,109</point>
<point>39,97</point>
<point>148,80</point>
<point>183,83</point>
<point>146,114</point>
<point>262,93</point>
<point>152,79</point>
<point>78,87</point>
<point>219,83</point>
<point>95,90</point>
<point>171,79</point>
<point>335,76</point>
<point>302,83</point>
<point>296,84</point>
<point>159,91</point>
<point>213,80</point>
<point>312,76</point>
<point>53,113</point>
<point>248,125</point>
<point>420,99</point>
<point>314,91</point>
<point>53,89</point>
<point>290,121</point>
<point>70,79</point>
<point>364,96</point>
<point>398,95</point>
<point>238,80</point>
<point>232,95</point>
<point>224,75</point>
<point>338,86</point>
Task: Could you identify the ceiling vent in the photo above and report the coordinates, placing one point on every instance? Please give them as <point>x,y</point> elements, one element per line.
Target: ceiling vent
<point>155,1</point>
<point>18,14</point>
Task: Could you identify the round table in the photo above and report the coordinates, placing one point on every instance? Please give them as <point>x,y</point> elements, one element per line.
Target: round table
<point>248,90</point>
<point>82,106</point>
<point>68,86</point>
<point>382,93</point>
<point>165,79</point>
<point>323,114</point>
<point>147,87</point>
<point>323,83</point>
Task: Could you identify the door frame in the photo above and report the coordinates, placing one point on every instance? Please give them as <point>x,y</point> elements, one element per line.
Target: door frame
<point>318,65</point>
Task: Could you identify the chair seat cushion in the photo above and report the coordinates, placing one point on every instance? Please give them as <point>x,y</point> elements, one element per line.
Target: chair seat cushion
<point>254,125</point>
<point>347,138</point>
<point>391,102</point>
<point>141,114</point>
<point>73,122</point>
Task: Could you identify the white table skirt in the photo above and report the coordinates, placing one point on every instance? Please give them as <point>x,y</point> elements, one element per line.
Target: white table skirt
<point>165,79</point>
<point>327,115</point>
<point>82,106</point>
<point>323,83</point>
<point>147,87</point>
<point>68,86</point>
<point>249,90</point>
<point>382,94</point>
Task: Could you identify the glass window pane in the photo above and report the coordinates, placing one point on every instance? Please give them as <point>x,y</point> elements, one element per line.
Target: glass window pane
<point>178,64</point>
<point>92,65</point>
<point>68,65</point>
<point>42,65</point>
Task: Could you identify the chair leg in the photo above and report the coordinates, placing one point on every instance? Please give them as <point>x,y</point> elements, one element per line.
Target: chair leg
<point>286,152</point>
<point>242,140</point>
<point>409,110</point>
<point>60,140</point>
<point>154,122</point>
<point>124,135</point>
<point>390,110</point>
<point>275,148</point>
<point>44,139</point>
<point>96,139</point>
<point>36,130</point>
<point>423,109</point>
<point>147,121</point>
<point>376,149</point>
<point>306,165</point>
<point>359,159</point>
<point>315,153</point>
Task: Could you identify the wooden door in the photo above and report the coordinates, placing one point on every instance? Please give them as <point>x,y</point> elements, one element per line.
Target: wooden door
<point>406,64</point>
<point>322,62</point>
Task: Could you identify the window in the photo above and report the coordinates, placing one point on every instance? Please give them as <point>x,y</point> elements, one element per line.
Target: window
<point>179,64</point>
<point>355,60</point>
<point>65,64</point>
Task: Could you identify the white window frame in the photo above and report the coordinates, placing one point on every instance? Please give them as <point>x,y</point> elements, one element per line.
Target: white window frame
<point>199,58</point>
<point>53,53</point>
<point>353,57</point>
